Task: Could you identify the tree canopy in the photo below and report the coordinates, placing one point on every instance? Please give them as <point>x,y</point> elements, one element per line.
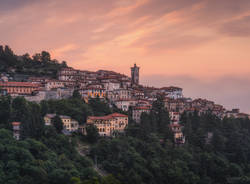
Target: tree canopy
<point>57,123</point>
<point>40,64</point>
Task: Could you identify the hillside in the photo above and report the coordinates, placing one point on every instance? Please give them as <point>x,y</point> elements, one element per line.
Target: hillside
<point>39,64</point>
<point>216,151</point>
<point>44,155</point>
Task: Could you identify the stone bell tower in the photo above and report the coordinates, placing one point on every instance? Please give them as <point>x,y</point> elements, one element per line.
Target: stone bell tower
<point>135,74</point>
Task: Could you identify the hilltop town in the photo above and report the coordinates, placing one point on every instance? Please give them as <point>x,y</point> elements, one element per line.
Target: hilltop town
<point>83,125</point>
<point>119,89</point>
<point>124,92</point>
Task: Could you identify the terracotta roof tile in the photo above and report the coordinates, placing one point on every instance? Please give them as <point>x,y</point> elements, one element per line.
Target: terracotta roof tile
<point>16,123</point>
<point>18,84</point>
<point>110,116</point>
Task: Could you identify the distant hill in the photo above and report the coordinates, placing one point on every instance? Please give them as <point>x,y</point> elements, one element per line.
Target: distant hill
<point>39,64</point>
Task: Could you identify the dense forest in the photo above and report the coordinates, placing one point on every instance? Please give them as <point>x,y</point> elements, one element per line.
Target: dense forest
<point>40,64</point>
<point>43,155</point>
<point>146,153</point>
<point>216,151</point>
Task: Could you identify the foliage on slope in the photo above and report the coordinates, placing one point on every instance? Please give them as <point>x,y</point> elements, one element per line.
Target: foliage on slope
<point>40,64</point>
<point>43,155</point>
<point>142,157</point>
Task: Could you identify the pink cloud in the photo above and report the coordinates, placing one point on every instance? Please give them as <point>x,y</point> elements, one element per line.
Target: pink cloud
<point>204,39</point>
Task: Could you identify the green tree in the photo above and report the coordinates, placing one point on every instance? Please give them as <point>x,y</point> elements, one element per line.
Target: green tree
<point>1,50</point>
<point>8,51</point>
<point>76,94</point>
<point>92,133</point>
<point>37,57</point>
<point>45,57</point>
<point>44,107</point>
<point>91,181</point>
<point>33,124</point>
<point>160,116</point>
<point>5,111</point>
<point>75,180</point>
<point>146,123</point>
<point>164,121</point>
<point>58,124</point>
<point>110,179</point>
<point>99,106</point>
<point>20,110</point>
<point>64,64</point>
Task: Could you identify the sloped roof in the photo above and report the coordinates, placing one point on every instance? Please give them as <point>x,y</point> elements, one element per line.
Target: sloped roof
<point>16,123</point>
<point>18,84</point>
<point>110,116</point>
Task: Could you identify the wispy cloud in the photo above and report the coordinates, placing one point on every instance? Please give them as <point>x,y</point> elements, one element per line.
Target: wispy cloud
<point>237,28</point>
<point>58,52</point>
<point>204,39</point>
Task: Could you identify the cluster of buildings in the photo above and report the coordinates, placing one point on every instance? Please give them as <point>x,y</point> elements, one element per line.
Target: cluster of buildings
<point>108,125</point>
<point>118,90</point>
<point>176,127</point>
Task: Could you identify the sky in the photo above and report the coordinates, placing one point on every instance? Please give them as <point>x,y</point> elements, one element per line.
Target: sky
<point>202,46</point>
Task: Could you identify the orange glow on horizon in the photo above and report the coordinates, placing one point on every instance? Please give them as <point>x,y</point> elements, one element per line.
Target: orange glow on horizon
<point>207,40</point>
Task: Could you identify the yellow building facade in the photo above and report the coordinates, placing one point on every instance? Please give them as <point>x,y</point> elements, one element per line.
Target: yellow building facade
<point>110,124</point>
<point>69,124</point>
